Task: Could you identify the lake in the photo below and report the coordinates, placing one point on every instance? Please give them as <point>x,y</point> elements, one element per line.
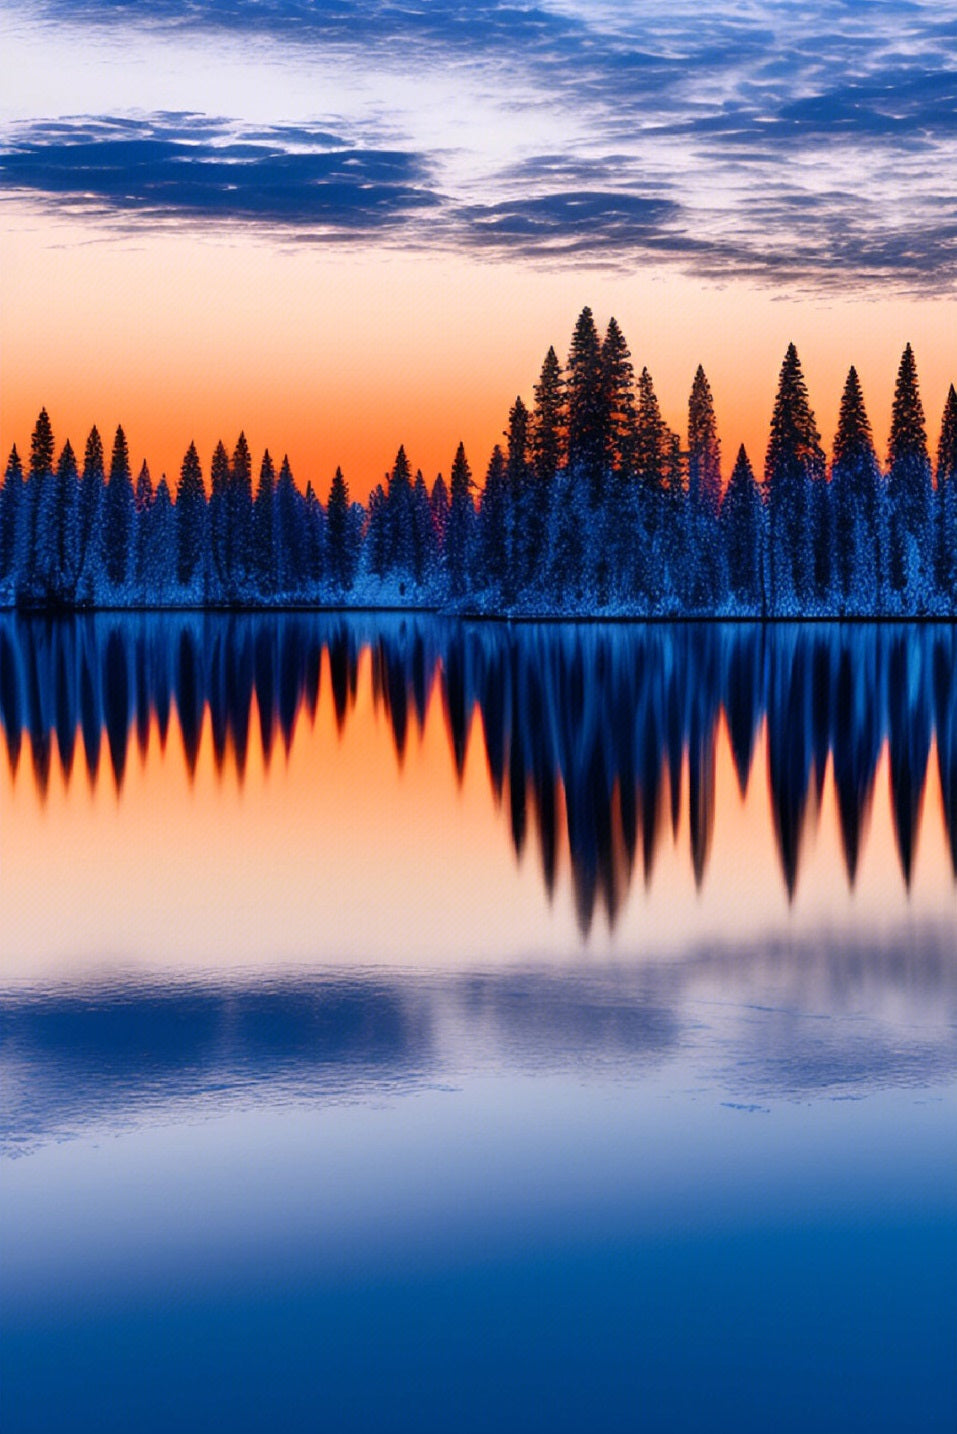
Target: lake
<point>412,1024</point>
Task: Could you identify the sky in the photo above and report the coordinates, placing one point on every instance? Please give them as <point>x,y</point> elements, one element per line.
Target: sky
<point>342,226</point>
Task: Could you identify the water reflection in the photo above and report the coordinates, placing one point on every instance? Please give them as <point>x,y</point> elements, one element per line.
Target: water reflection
<point>763,1020</point>
<point>597,727</point>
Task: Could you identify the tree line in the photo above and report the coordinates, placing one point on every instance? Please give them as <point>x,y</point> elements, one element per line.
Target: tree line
<point>591,505</point>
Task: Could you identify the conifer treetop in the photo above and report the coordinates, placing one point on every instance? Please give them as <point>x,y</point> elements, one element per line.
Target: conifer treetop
<point>908,438</point>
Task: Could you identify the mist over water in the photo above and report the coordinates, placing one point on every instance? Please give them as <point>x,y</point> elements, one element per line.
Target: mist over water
<point>412,1024</point>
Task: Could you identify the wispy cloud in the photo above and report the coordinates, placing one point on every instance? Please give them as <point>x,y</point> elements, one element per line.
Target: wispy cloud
<point>799,144</point>
<point>193,166</point>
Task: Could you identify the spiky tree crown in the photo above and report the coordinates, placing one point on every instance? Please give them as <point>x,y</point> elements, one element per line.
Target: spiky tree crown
<point>41,446</point>
<point>908,438</point>
<point>190,476</point>
<point>854,438</point>
<point>947,448</point>
<point>120,459</point>
<point>93,456</point>
<point>794,433</point>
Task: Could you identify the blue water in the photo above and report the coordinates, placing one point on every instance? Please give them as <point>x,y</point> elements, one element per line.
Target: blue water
<point>713,1188</point>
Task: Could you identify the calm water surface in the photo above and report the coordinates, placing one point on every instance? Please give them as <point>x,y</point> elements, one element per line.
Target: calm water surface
<point>412,1025</point>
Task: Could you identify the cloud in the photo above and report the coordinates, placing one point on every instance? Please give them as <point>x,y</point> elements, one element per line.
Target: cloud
<point>194,166</point>
<point>800,145</point>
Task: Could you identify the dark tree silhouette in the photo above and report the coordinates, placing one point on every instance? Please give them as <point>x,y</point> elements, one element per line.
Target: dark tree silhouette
<point>856,506</point>
<point>119,514</point>
<point>264,526</point>
<point>947,501</point>
<point>11,513</point>
<point>742,522</point>
<point>548,432</point>
<point>795,462</point>
<point>461,517</point>
<point>704,448</point>
<point>618,380</point>
<point>191,523</point>
<point>340,555</point>
<point>909,488</point>
<point>586,407</point>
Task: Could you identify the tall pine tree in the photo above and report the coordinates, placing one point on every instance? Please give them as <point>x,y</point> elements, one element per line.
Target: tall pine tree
<point>461,519</point>
<point>119,512</point>
<point>947,502</point>
<point>587,420</point>
<point>191,524</point>
<point>856,506</point>
<point>704,448</point>
<point>794,463</point>
<point>909,490</point>
<point>618,385</point>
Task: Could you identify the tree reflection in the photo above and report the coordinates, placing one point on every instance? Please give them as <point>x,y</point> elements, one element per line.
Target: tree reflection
<point>595,727</point>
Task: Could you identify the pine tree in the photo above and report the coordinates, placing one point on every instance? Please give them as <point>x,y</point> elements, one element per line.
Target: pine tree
<point>586,409</point>
<point>221,543</point>
<point>377,532</point>
<point>461,519</point>
<point>547,435</point>
<point>439,503</point>
<point>264,538</point>
<point>423,532</point>
<point>337,510</point>
<point>704,448</point>
<point>947,502</point>
<point>910,493</point>
<point>191,523</point>
<point>158,566</point>
<point>92,487</point>
<point>742,524</point>
<point>240,516</point>
<point>291,545</point>
<point>39,541</point>
<point>795,461</point>
<point>66,500</point>
<point>493,517</point>
<point>618,379</point>
<point>401,542</point>
<point>856,506</point>
<point>11,513</point>
<point>311,523</point>
<point>41,447</point>
<point>144,489</point>
<point>119,512</point>
<point>528,496</point>
<point>651,437</point>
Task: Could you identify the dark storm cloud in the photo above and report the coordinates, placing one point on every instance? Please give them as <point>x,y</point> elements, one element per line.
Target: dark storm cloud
<point>182,165</point>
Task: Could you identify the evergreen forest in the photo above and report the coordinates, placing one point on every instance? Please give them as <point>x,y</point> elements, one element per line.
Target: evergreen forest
<point>591,506</point>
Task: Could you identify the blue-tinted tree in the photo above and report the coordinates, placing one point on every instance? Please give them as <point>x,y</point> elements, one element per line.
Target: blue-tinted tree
<point>618,394</point>
<point>264,528</point>
<point>118,517</point>
<point>743,533</point>
<point>947,502</point>
<point>461,522</point>
<point>587,414</point>
<point>909,491</point>
<point>493,525</point>
<point>795,461</point>
<point>856,506</point>
<point>191,526</point>
<point>89,501</point>
<point>11,519</point>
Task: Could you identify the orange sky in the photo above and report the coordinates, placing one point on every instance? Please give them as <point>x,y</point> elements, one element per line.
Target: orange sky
<point>338,355</point>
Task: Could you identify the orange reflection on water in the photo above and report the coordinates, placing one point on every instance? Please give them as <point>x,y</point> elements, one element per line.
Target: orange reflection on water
<point>382,808</point>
